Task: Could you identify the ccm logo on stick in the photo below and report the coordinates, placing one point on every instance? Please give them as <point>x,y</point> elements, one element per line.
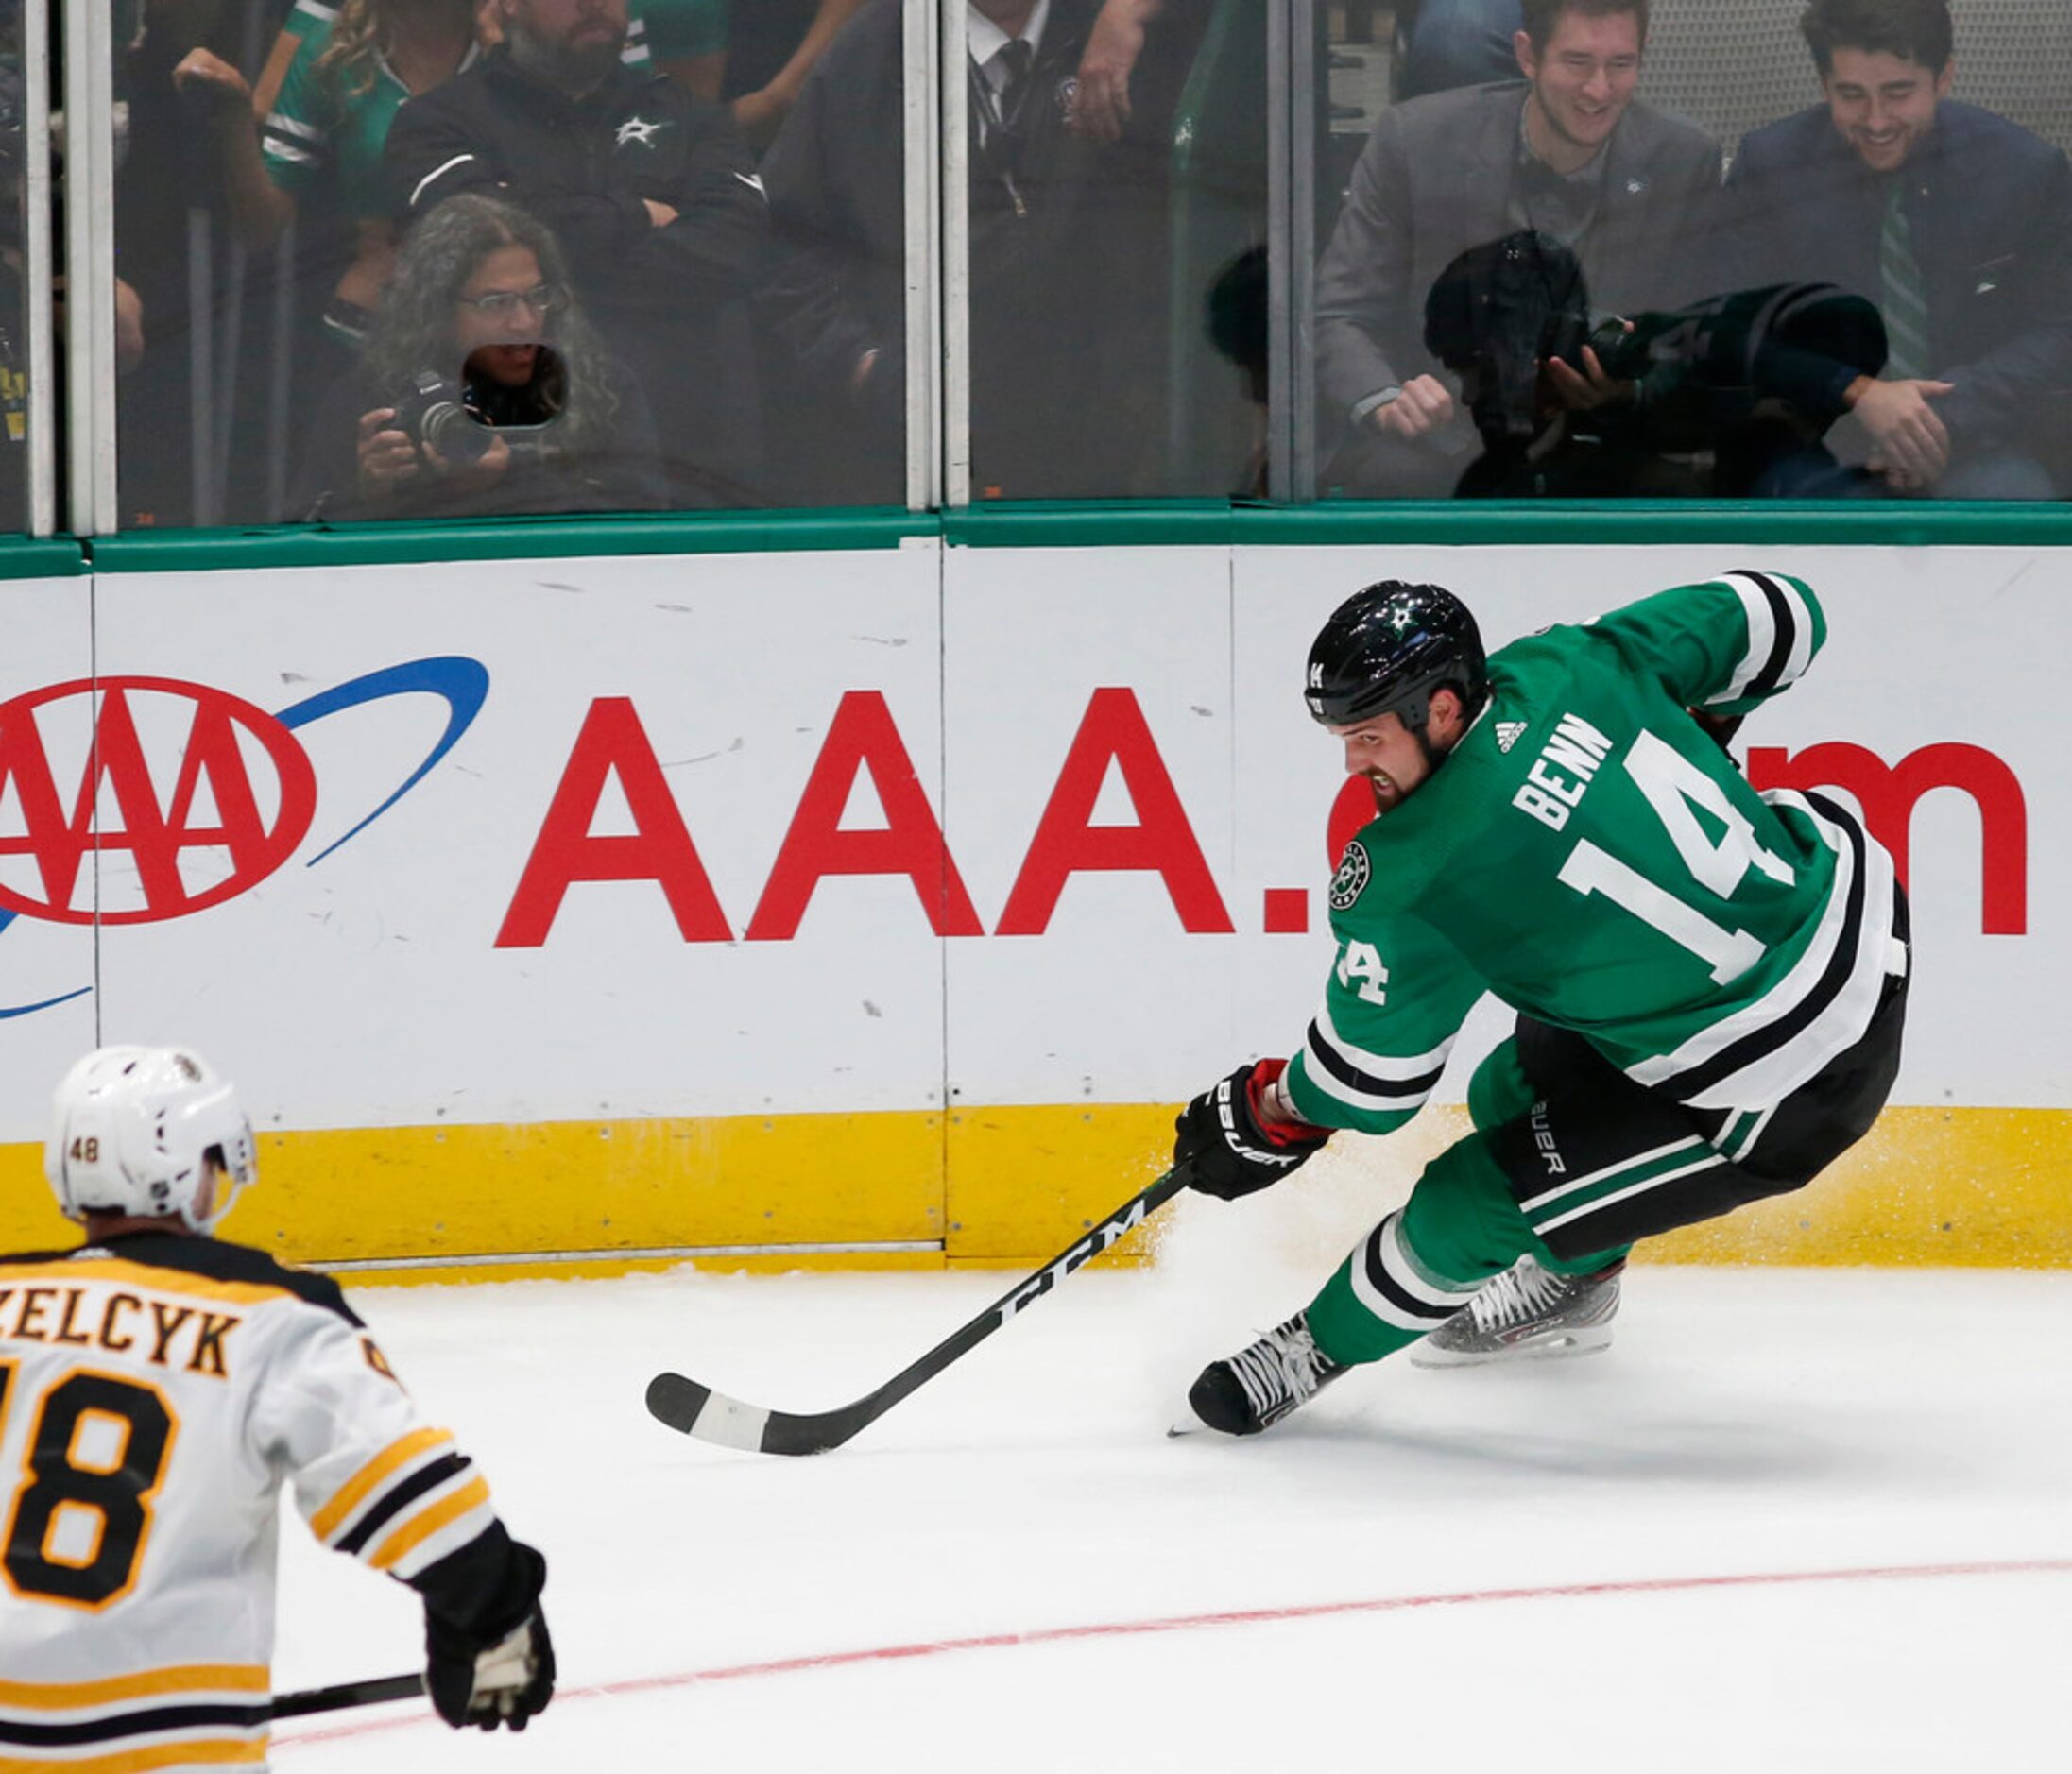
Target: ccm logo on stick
<point>1080,1254</point>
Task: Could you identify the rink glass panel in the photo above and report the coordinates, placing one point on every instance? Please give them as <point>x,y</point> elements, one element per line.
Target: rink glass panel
<point>1146,327</point>
<point>1728,67</point>
<point>243,408</point>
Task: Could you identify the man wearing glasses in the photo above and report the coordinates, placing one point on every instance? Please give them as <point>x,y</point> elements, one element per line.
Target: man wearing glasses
<point>652,194</point>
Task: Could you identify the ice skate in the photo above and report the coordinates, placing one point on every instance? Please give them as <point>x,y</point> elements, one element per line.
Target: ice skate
<point>1255,1388</point>
<point>1526,1313</point>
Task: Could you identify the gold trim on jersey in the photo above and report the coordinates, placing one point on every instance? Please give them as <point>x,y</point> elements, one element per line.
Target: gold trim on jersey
<point>215,1752</point>
<point>175,1281</point>
<point>421,1526</point>
<point>145,1684</point>
<point>350,1496</point>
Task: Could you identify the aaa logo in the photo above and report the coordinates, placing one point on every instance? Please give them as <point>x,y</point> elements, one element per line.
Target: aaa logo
<point>241,798</point>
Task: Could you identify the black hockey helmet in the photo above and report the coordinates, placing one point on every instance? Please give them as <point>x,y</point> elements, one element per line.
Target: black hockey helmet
<point>1387,648</point>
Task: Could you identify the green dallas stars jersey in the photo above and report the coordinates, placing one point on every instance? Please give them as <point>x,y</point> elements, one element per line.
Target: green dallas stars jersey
<point>1589,854</point>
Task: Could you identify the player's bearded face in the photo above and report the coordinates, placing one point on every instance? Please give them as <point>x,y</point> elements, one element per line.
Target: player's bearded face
<point>1387,754</point>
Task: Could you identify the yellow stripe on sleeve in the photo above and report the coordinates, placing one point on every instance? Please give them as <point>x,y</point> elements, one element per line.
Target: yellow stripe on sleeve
<point>145,1684</point>
<point>349,1496</point>
<point>422,1526</point>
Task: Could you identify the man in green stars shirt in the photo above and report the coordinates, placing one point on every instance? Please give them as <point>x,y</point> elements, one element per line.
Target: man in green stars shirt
<point>1710,982</point>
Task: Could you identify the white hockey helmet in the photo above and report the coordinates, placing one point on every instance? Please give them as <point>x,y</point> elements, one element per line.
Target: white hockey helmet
<point>131,1130</point>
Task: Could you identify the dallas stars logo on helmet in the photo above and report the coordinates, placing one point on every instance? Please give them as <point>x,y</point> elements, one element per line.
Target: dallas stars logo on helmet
<point>1351,878</point>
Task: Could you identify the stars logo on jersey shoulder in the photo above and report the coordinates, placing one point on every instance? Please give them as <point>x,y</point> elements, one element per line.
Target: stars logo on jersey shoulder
<point>640,129</point>
<point>1354,871</point>
<point>1509,733</point>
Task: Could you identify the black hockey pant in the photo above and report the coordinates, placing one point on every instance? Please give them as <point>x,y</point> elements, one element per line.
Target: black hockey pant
<point>1595,1161</point>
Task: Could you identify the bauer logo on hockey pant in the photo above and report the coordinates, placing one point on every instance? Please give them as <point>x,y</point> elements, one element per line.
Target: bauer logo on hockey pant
<point>1543,1137</point>
<point>1351,880</point>
<point>1078,1256</point>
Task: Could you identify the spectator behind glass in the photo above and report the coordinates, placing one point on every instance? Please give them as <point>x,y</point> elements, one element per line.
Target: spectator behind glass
<point>483,390</point>
<point>771,47</point>
<point>1956,223</point>
<point>1459,42</point>
<point>332,87</point>
<point>1042,255</point>
<point>687,41</point>
<point>1573,155</point>
<point>652,192</point>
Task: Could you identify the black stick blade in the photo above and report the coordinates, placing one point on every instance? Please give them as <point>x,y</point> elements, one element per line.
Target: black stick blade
<point>697,1411</point>
<point>692,1409</point>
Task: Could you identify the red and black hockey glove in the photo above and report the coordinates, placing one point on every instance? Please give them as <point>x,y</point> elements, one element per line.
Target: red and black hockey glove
<point>1222,1144</point>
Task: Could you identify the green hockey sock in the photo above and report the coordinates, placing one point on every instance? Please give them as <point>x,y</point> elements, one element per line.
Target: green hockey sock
<point>1343,1327</point>
<point>1460,1226</point>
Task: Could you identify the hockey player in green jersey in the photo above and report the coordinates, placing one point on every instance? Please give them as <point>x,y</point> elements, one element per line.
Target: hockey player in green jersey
<point>1710,982</point>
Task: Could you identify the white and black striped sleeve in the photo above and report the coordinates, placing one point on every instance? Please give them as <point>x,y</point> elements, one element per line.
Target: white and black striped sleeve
<point>1727,645</point>
<point>1376,1048</point>
<point>1781,630</point>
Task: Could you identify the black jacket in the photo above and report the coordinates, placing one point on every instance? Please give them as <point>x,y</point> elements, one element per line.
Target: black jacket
<point>1044,236</point>
<point>1991,210</point>
<point>669,300</point>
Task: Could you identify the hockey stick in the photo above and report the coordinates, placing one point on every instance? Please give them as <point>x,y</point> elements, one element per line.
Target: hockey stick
<point>368,1693</point>
<point>693,1409</point>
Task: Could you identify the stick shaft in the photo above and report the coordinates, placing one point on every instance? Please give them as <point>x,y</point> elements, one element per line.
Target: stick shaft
<point>371,1692</point>
<point>695,1409</point>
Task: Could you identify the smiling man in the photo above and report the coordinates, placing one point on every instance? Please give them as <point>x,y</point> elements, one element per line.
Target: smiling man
<point>1956,222</point>
<point>1571,154</point>
<point>1710,982</point>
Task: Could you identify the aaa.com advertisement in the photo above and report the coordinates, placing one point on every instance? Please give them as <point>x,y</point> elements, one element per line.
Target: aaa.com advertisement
<point>504,842</point>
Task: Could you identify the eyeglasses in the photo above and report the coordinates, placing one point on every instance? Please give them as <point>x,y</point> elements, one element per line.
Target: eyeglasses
<point>500,304</point>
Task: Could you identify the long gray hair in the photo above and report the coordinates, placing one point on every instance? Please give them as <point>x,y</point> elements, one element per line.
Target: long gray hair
<point>413,328</point>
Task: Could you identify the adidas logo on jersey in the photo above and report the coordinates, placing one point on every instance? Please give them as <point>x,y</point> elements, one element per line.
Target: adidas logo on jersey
<point>1509,733</point>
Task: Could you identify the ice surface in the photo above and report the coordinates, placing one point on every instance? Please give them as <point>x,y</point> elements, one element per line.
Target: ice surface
<point>1761,1424</point>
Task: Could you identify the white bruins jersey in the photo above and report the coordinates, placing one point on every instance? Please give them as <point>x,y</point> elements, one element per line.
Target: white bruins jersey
<point>155,1393</point>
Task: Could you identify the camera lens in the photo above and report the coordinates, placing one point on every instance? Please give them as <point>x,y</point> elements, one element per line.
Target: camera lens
<point>453,432</point>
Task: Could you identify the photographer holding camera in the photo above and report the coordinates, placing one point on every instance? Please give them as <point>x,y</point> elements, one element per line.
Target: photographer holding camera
<point>1572,154</point>
<point>482,391</point>
<point>1730,395</point>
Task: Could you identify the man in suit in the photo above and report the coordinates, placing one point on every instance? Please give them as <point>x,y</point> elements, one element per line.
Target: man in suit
<point>1572,154</point>
<point>1956,222</point>
<point>1046,259</point>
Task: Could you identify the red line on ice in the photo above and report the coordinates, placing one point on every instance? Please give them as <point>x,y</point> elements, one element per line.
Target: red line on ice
<point>1249,1617</point>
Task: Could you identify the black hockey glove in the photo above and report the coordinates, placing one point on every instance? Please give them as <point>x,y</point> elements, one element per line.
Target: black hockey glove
<point>1223,1146</point>
<point>489,1659</point>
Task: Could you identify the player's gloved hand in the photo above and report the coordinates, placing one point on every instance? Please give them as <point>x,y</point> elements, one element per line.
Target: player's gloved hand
<point>1225,1145</point>
<point>477,1677</point>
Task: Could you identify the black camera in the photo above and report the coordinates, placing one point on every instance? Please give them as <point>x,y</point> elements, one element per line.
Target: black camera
<point>1495,316</point>
<point>441,415</point>
<point>434,415</point>
<point>1783,341</point>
